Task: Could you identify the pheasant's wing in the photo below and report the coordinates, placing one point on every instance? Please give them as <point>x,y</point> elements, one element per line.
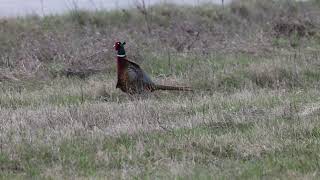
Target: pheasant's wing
<point>146,79</point>
<point>133,74</point>
<point>137,74</point>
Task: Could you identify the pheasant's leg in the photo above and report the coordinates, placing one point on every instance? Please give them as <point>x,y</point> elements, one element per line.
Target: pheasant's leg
<point>131,97</point>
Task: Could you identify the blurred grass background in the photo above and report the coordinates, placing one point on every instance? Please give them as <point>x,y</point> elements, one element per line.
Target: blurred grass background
<point>254,65</point>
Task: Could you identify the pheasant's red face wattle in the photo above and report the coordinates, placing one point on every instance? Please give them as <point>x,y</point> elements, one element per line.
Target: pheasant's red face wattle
<point>117,46</point>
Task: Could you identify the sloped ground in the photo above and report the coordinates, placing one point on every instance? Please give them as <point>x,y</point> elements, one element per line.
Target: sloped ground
<point>254,114</point>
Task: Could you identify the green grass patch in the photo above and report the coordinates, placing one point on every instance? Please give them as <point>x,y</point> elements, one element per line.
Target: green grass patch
<point>144,152</point>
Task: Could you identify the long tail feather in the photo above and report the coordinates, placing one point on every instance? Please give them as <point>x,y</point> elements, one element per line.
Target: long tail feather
<point>174,88</point>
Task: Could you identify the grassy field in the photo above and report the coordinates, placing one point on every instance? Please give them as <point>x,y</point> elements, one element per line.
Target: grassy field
<point>254,112</point>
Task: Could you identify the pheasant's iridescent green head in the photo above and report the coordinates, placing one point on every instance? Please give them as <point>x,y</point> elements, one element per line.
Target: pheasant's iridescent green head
<point>119,47</point>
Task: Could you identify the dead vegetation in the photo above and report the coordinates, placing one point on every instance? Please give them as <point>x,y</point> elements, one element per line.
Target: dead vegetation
<point>254,112</point>
<point>83,39</point>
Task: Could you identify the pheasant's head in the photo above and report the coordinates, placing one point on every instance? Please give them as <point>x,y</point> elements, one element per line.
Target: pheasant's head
<point>119,47</point>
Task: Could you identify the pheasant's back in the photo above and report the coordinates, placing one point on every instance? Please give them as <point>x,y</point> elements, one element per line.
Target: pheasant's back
<point>132,79</point>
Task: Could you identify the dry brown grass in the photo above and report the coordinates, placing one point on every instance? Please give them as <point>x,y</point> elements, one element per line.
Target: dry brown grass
<point>44,47</point>
<point>87,128</point>
<point>254,112</point>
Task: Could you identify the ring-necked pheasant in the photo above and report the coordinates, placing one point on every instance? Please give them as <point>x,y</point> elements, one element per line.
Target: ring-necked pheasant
<point>132,79</point>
